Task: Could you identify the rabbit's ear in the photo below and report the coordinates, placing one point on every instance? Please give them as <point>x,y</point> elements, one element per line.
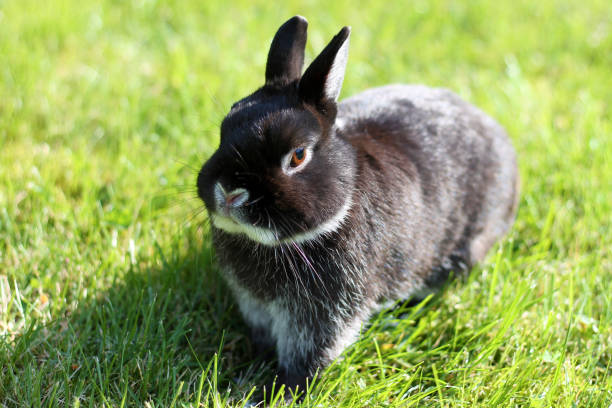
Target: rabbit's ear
<point>322,80</point>
<point>286,55</point>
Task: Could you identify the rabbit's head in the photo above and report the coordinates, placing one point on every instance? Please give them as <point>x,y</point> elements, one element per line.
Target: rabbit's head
<point>281,172</point>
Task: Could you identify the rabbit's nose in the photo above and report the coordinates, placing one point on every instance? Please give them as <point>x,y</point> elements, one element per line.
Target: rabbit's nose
<point>228,200</point>
<point>236,198</point>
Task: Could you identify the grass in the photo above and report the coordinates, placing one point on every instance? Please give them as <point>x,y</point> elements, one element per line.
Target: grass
<point>109,294</point>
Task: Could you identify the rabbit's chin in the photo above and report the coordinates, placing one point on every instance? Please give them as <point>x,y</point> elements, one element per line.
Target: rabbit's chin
<point>270,238</point>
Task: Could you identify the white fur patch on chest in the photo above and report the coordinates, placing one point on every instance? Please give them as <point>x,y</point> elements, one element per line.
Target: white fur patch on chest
<point>291,340</point>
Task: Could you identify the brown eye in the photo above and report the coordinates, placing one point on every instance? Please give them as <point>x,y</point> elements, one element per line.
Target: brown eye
<point>298,157</point>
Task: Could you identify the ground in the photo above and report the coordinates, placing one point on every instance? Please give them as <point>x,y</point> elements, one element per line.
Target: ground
<point>109,294</point>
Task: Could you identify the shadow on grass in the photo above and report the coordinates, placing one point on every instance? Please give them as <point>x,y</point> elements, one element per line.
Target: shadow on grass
<point>170,332</point>
<point>155,331</point>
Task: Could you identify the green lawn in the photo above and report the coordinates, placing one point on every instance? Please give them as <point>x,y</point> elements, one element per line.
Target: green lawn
<point>109,294</point>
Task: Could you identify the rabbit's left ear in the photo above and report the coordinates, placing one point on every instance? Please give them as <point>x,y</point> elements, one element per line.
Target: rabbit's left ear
<point>322,80</point>
<point>286,55</point>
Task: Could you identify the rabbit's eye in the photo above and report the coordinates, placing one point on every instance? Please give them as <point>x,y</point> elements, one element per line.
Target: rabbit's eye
<point>298,157</point>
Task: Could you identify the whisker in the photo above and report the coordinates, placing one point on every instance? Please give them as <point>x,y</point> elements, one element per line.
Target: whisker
<point>192,216</point>
<point>248,203</point>
<point>181,196</point>
<point>293,268</point>
<point>179,187</point>
<point>221,109</point>
<point>185,164</point>
<point>240,157</point>
<point>323,287</point>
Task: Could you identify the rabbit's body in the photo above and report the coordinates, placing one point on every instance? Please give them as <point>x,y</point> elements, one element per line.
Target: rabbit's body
<point>378,198</point>
<point>450,165</point>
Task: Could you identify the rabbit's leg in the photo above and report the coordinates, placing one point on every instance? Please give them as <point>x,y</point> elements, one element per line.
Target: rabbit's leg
<point>312,345</point>
<point>257,316</point>
<point>262,341</point>
<point>258,319</point>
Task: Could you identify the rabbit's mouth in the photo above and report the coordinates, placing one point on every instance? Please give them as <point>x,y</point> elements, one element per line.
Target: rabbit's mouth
<point>233,225</point>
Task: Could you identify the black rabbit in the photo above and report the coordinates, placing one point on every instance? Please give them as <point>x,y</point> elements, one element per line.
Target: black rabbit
<point>321,211</point>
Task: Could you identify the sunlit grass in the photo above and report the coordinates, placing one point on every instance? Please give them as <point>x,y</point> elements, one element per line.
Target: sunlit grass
<point>108,288</point>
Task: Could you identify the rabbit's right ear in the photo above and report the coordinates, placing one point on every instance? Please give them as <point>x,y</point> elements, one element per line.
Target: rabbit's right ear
<point>322,80</point>
<point>286,56</point>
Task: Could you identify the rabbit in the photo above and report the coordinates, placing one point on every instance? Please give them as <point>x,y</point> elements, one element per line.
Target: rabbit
<point>322,211</point>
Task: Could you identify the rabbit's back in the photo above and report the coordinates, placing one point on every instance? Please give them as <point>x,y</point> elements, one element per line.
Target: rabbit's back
<point>442,170</point>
